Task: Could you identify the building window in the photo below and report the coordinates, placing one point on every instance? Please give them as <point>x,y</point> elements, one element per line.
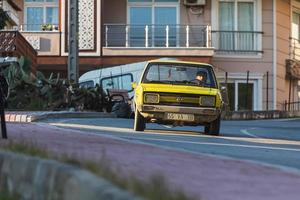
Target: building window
<point>237,26</point>
<point>157,14</point>
<point>296,25</point>
<point>121,82</point>
<point>242,96</point>
<point>41,15</point>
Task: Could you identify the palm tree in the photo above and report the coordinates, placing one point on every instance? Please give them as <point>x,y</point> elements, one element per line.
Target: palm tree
<point>3,18</point>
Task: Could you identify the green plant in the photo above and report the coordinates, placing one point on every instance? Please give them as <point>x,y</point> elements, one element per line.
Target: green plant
<point>6,196</point>
<point>47,27</point>
<point>36,92</point>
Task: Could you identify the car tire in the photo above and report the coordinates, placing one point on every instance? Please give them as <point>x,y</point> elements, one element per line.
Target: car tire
<point>121,110</point>
<point>213,128</point>
<point>139,121</point>
<point>206,129</point>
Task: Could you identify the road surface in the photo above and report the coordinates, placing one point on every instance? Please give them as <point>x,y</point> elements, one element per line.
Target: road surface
<point>270,142</point>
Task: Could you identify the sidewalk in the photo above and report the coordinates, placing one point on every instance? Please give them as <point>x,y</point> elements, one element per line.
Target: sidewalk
<point>23,116</point>
<point>12,116</point>
<point>203,177</point>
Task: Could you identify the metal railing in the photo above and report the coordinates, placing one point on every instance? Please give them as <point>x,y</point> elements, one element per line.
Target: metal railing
<point>233,42</point>
<point>38,27</point>
<point>145,36</point>
<point>291,106</point>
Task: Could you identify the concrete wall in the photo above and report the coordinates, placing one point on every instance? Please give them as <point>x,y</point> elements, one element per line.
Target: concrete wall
<point>34,179</point>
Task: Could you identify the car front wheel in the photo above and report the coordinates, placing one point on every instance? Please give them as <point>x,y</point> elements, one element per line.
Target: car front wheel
<point>213,128</point>
<point>139,121</point>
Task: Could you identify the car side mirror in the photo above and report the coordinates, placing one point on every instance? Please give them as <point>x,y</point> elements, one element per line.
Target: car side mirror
<point>223,88</point>
<point>133,85</point>
<point>224,94</point>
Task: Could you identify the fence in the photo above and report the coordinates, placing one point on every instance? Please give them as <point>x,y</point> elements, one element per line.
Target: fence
<point>291,106</point>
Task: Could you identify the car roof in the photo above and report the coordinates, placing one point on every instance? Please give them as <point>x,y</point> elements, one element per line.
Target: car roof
<point>179,62</point>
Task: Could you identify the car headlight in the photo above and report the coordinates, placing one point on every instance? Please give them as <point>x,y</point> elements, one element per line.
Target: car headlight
<point>208,101</point>
<point>151,98</point>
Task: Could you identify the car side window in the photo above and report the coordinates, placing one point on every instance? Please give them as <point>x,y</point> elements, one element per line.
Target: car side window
<point>87,84</point>
<point>117,82</point>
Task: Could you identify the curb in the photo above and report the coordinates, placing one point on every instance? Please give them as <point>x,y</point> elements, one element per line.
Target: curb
<point>257,115</point>
<point>37,116</point>
<point>32,178</point>
<point>236,115</point>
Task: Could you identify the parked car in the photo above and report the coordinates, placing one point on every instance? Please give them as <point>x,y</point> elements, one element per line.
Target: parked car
<point>178,93</point>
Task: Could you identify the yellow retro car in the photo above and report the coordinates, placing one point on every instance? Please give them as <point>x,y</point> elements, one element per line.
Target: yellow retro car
<point>178,93</point>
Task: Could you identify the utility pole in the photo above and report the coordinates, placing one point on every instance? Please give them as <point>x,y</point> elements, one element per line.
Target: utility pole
<point>4,90</point>
<point>73,71</point>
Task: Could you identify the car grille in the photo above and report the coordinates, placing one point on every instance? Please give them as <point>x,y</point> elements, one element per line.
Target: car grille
<point>175,99</point>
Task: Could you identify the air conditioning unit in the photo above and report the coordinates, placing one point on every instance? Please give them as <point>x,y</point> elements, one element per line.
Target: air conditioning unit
<point>194,2</point>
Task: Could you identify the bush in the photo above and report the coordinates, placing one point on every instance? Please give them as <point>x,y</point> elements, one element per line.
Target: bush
<point>36,92</point>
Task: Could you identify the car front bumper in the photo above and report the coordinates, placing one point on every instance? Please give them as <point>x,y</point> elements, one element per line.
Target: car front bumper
<point>202,114</point>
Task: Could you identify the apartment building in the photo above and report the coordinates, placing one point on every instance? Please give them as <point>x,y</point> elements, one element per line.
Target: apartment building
<point>254,44</point>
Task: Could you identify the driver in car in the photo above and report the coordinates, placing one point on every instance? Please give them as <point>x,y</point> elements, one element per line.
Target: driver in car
<point>201,78</point>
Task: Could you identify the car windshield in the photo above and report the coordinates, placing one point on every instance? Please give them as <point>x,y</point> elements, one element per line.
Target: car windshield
<point>180,74</point>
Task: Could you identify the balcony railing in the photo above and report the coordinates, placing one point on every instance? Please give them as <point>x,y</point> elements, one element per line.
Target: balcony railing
<point>38,27</point>
<point>237,42</point>
<point>161,36</point>
<point>293,63</point>
<point>294,49</point>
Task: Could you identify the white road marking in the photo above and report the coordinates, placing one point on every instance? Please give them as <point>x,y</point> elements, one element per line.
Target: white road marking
<point>136,137</point>
<point>246,132</point>
<point>286,120</point>
<point>217,144</point>
<point>99,128</point>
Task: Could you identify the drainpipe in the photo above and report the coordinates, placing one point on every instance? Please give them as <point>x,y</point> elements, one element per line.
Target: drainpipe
<point>274,56</point>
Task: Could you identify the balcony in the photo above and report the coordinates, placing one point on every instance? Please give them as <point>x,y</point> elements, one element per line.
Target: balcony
<point>13,44</point>
<point>237,42</point>
<point>293,63</point>
<point>11,7</point>
<point>154,40</point>
<point>44,38</point>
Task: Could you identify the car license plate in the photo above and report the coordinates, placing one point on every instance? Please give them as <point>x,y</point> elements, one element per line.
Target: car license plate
<point>180,117</point>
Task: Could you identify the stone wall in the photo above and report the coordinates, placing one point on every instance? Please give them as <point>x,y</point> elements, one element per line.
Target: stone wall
<point>32,178</point>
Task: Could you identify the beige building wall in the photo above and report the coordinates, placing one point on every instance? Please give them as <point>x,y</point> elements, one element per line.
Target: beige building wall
<point>200,16</point>
<point>283,49</point>
<point>114,11</point>
<point>257,65</point>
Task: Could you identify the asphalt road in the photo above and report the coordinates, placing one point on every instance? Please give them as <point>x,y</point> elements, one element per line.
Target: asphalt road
<point>271,142</point>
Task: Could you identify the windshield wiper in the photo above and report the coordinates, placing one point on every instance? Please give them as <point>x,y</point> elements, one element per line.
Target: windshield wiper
<point>166,82</point>
<point>187,82</point>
